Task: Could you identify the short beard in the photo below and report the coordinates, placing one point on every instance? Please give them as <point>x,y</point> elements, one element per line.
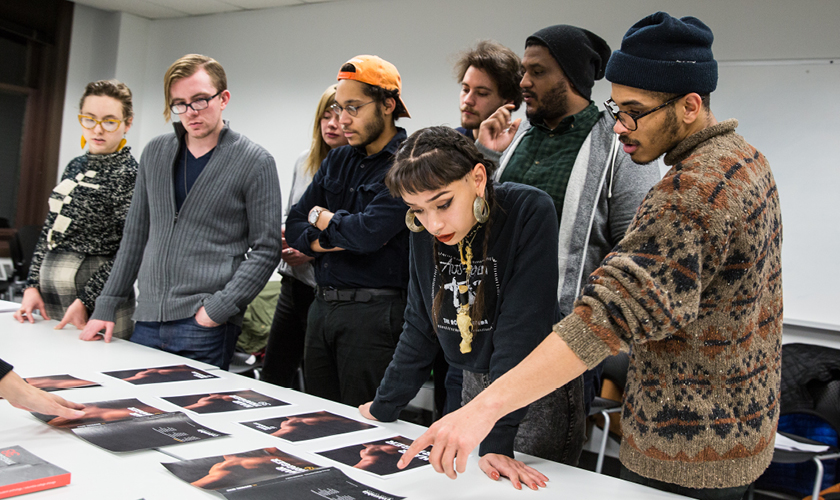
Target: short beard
<point>554,104</point>
<point>374,128</point>
<point>670,136</point>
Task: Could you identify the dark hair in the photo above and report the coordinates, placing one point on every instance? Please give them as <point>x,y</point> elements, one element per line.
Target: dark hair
<point>430,159</point>
<point>378,94</point>
<point>113,89</point>
<point>500,63</point>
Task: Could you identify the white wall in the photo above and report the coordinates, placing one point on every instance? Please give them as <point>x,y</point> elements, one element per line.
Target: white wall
<point>279,60</point>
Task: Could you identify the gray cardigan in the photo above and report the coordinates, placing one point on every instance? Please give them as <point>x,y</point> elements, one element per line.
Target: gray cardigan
<point>197,257</point>
<point>605,189</point>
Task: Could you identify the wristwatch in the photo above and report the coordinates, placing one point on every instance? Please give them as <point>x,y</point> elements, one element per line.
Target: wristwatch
<point>314,214</point>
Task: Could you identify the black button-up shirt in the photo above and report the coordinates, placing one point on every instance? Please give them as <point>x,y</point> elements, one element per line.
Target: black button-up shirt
<point>369,224</point>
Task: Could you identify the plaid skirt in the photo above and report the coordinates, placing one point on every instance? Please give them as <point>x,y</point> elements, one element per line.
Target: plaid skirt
<point>63,277</point>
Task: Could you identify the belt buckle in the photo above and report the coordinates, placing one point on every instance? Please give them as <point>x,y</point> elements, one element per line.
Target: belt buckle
<point>330,294</point>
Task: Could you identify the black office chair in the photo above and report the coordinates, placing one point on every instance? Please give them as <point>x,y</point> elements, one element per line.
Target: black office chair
<point>810,386</point>
<point>21,248</point>
<point>614,369</point>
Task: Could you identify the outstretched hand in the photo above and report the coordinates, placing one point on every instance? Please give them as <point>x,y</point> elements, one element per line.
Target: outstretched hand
<point>495,466</point>
<point>93,330</point>
<point>32,301</point>
<point>452,438</point>
<point>76,315</point>
<point>27,397</point>
<point>365,411</point>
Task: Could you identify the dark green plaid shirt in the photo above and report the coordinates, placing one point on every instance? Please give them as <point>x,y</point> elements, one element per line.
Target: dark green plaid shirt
<point>544,158</point>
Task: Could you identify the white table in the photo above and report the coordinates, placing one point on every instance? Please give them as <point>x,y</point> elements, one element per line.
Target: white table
<point>38,350</point>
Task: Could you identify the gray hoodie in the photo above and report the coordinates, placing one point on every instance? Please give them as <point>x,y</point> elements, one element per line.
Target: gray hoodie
<point>604,191</point>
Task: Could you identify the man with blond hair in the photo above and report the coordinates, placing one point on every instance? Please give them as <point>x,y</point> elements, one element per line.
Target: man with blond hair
<point>203,233</point>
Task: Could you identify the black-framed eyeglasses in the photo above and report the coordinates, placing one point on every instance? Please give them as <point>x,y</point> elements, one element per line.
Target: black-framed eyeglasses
<point>352,110</point>
<point>197,105</point>
<point>629,120</point>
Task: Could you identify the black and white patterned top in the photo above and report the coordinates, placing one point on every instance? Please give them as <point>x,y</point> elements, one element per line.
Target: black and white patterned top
<point>87,214</point>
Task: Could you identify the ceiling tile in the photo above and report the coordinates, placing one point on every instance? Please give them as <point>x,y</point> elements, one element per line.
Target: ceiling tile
<point>194,7</point>
<point>262,4</point>
<point>162,9</point>
<point>136,7</point>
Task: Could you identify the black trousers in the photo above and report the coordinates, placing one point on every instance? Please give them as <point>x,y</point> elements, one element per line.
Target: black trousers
<point>349,345</point>
<point>284,350</point>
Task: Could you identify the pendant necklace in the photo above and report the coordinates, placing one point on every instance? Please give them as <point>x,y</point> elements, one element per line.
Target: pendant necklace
<point>463,319</point>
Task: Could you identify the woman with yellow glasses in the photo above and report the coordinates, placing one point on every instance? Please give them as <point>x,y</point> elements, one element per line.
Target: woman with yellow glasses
<point>87,211</point>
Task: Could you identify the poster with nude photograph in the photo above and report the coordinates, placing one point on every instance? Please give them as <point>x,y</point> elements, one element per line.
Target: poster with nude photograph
<point>238,469</point>
<point>102,412</point>
<point>160,374</point>
<point>326,483</point>
<point>145,433</point>
<point>306,426</point>
<point>379,457</point>
<point>52,383</point>
<point>244,399</point>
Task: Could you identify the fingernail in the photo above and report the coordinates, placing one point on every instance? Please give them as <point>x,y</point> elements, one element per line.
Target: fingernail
<point>495,476</point>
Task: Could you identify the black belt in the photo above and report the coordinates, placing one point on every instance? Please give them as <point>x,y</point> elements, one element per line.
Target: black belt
<point>356,294</point>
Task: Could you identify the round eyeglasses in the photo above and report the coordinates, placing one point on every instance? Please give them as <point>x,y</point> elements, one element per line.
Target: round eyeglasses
<point>90,123</point>
<point>197,105</point>
<point>629,120</point>
<point>351,110</point>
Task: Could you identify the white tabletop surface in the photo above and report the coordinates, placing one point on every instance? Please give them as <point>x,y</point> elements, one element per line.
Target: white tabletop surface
<point>37,350</point>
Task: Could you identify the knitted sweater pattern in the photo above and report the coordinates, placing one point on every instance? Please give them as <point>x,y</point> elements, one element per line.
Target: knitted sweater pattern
<point>695,289</point>
<point>87,215</point>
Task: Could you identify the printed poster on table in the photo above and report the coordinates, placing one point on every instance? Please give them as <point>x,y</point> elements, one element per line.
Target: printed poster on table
<point>327,483</point>
<point>306,426</point>
<point>225,401</point>
<point>238,469</point>
<point>131,425</point>
<point>378,457</point>
<point>160,374</point>
<point>52,383</point>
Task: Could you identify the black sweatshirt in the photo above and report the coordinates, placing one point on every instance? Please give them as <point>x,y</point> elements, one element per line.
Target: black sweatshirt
<point>520,290</point>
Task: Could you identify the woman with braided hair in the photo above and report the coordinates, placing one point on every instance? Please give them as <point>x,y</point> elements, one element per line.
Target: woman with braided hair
<point>482,287</point>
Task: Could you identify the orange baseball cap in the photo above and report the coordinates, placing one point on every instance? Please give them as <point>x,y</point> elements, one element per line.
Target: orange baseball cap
<point>376,71</point>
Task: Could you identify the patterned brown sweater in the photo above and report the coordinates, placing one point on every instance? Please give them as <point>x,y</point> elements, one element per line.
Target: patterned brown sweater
<point>694,290</point>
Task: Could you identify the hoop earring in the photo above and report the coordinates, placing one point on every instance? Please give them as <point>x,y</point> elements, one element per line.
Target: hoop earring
<point>122,144</point>
<point>83,142</point>
<point>412,223</point>
<point>481,209</point>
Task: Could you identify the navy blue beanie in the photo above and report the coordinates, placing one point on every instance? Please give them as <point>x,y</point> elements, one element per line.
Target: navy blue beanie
<point>665,54</point>
<point>580,53</point>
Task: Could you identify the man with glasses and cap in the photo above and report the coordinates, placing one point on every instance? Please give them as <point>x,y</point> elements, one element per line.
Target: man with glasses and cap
<point>202,235</point>
<point>694,289</point>
<point>356,231</point>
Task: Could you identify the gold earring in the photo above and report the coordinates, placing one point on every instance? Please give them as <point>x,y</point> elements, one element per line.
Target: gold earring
<point>83,141</point>
<point>122,144</point>
<point>481,209</point>
<point>412,223</point>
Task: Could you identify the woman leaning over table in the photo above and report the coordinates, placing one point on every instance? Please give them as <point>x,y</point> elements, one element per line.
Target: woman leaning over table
<point>87,211</point>
<point>483,288</point>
